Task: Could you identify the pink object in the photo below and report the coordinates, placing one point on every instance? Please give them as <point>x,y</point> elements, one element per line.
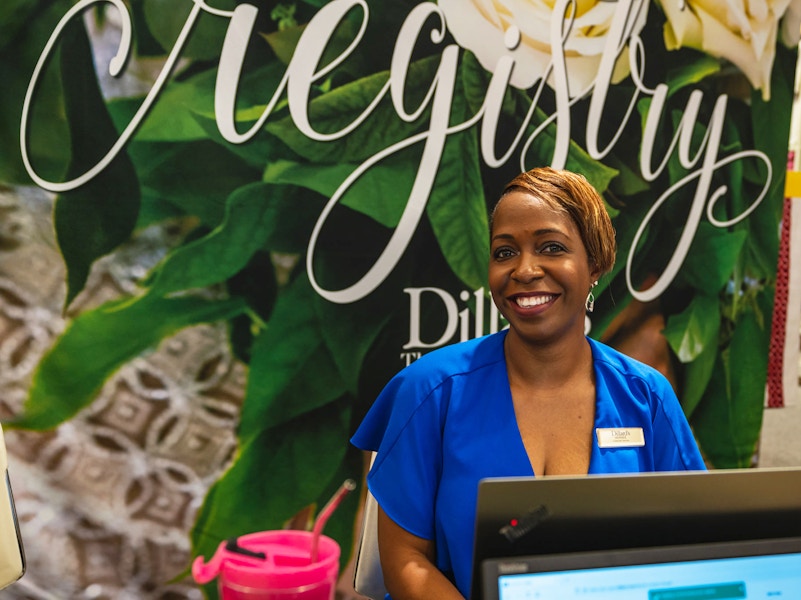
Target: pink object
<point>272,565</point>
<point>347,486</point>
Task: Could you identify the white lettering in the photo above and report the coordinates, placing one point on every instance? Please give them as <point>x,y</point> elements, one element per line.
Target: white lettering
<point>115,67</point>
<point>305,70</point>
<point>702,198</point>
<point>626,16</point>
<point>451,320</point>
<point>453,316</point>
<point>434,138</point>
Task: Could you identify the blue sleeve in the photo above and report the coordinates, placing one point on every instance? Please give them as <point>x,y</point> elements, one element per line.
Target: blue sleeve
<point>404,427</point>
<point>675,446</point>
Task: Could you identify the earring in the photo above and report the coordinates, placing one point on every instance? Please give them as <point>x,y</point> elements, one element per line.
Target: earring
<point>589,304</point>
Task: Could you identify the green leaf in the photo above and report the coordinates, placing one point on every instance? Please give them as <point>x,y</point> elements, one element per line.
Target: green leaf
<point>475,81</point>
<point>340,107</point>
<point>628,182</point>
<point>94,219</point>
<point>226,250</point>
<point>197,177</point>
<point>184,109</point>
<point>695,329</point>
<point>761,229</point>
<point>597,173</point>
<point>171,118</point>
<point>323,179</point>
<point>696,377</point>
<point>155,207</point>
<point>144,42</point>
<point>277,473</point>
<point>683,74</point>
<point>728,420</point>
<point>284,41</point>
<point>16,15</point>
<point>350,331</point>
<point>98,342</point>
<point>379,193</point>
<point>25,26</point>
<point>457,209</point>
<point>770,119</point>
<point>296,211</point>
<point>291,370</point>
<point>768,122</point>
<point>712,258</point>
<point>165,19</point>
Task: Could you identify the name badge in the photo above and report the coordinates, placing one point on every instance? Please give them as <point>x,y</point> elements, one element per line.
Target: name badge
<point>620,437</point>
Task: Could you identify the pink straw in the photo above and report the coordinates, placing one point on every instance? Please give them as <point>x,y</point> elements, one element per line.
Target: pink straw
<point>347,486</point>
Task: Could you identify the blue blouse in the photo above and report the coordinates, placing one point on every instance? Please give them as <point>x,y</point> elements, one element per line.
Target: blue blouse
<point>447,421</point>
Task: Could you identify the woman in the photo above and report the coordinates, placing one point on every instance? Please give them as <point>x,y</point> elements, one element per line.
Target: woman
<point>537,399</point>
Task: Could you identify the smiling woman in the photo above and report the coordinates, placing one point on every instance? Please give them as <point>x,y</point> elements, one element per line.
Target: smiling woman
<point>538,269</point>
<point>537,399</point>
<point>548,223</point>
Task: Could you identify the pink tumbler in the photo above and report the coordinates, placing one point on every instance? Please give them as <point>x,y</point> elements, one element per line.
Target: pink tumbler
<point>272,565</point>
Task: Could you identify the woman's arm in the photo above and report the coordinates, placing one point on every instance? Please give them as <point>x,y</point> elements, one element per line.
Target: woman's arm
<point>407,564</point>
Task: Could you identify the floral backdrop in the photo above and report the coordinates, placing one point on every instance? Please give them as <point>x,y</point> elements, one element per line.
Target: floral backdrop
<point>231,223</point>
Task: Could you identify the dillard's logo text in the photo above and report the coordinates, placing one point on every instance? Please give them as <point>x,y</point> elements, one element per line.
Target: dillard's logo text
<point>485,319</point>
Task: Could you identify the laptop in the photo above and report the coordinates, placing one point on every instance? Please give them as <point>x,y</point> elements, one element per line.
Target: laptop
<point>726,570</point>
<point>532,516</point>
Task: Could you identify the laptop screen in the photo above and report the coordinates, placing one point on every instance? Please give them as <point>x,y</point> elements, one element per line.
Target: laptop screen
<point>763,569</point>
<point>543,516</point>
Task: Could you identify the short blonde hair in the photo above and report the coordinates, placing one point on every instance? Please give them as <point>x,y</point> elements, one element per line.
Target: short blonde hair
<point>570,192</point>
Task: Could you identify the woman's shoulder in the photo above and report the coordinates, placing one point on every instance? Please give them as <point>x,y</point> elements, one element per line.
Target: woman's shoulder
<point>458,358</point>
<point>424,383</point>
<point>623,365</point>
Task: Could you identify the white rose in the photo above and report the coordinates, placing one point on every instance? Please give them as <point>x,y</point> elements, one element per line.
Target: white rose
<point>791,24</point>
<point>481,26</point>
<point>742,32</point>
